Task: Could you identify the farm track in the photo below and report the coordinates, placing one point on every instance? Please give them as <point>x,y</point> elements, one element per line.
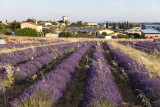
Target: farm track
<point>16,89</point>
<point>121,79</point>
<point>74,95</point>
<point>18,49</point>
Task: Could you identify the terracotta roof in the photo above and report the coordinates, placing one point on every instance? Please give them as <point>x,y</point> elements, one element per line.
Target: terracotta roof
<point>33,23</point>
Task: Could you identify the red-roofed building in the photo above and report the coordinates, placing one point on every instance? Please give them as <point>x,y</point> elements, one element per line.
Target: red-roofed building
<point>32,25</point>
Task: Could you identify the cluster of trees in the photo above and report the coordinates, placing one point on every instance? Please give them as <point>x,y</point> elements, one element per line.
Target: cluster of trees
<point>78,24</point>
<point>124,26</point>
<point>7,29</point>
<point>67,34</point>
<point>129,35</point>
<point>26,32</point>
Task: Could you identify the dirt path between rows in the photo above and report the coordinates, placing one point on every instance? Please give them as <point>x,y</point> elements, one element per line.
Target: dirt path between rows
<point>74,95</point>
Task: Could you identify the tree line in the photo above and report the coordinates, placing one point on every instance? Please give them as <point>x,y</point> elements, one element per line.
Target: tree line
<point>124,26</point>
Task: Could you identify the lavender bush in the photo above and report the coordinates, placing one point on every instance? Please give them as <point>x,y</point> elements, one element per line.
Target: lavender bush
<point>52,86</point>
<point>23,71</point>
<point>139,77</point>
<point>22,45</point>
<point>101,90</point>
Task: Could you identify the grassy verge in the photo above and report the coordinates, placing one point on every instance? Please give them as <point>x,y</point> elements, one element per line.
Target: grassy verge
<point>150,61</point>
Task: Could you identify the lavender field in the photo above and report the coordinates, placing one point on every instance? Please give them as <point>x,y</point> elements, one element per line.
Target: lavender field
<point>80,74</point>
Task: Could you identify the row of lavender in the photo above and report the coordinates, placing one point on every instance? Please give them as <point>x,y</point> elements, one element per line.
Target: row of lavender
<point>149,47</point>
<point>11,46</point>
<point>101,90</point>
<point>139,77</point>
<point>52,86</point>
<point>24,71</point>
<point>21,56</point>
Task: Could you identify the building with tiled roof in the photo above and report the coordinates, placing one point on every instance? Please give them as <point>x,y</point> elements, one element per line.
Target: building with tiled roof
<point>32,25</point>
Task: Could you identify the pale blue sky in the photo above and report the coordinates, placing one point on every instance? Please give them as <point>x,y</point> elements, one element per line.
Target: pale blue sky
<point>86,10</point>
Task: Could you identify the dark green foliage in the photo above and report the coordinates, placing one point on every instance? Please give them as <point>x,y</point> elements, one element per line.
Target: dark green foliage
<point>134,35</point>
<point>14,25</point>
<point>114,26</point>
<point>7,31</point>
<point>31,20</point>
<point>54,23</point>
<point>107,24</point>
<point>26,32</point>
<point>2,26</point>
<point>104,33</point>
<point>122,36</point>
<point>101,36</point>
<point>66,34</point>
<point>45,31</point>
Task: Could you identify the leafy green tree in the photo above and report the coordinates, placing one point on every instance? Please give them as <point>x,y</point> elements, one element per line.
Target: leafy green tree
<point>7,31</point>
<point>101,36</point>
<point>120,25</point>
<point>2,26</point>
<point>45,31</point>
<point>54,23</point>
<point>122,36</point>
<point>14,25</point>
<point>127,25</point>
<point>107,24</point>
<point>26,32</point>
<point>114,26</point>
<point>131,25</point>
<point>79,24</point>
<point>66,34</point>
<point>31,20</point>
<point>104,33</point>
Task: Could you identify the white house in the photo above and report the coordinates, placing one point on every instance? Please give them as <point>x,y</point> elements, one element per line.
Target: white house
<point>48,24</point>
<point>91,24</point>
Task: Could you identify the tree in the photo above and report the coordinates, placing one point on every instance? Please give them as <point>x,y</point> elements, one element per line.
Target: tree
<point>45,31</point>
<point>131,25</point>
<point>2,26</point>
<point>14,25</point>
<point>7,31</point>
<point>127,25</point>
<point>66,34</point>
<point>26,32</point>
<point>114,26</point>
<point>104,33</point>
<point>119,26</point>
<point>31,20</point>
<point>79,24</point>
<point>107,25</point>
<point>54,23</point>
<point>66,22</point>
<point>122,36</point>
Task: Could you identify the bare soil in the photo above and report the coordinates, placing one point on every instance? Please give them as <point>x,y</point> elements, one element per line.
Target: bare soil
<point>74,95</point>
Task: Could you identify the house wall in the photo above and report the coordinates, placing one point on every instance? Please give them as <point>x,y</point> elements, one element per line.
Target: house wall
<point>28,25</point>
<point>150,35</point>
<point>107,31</point>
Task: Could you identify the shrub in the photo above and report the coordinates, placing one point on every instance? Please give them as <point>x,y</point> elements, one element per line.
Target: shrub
<point>104,33</point>
<point>66,34</point>
<point>26,32</point>
<point>122,36</point>
<point>45,31</point>
<point>6,31</point>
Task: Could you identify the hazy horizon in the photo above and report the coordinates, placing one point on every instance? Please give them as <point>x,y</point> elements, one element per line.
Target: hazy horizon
<point>82,10</point>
